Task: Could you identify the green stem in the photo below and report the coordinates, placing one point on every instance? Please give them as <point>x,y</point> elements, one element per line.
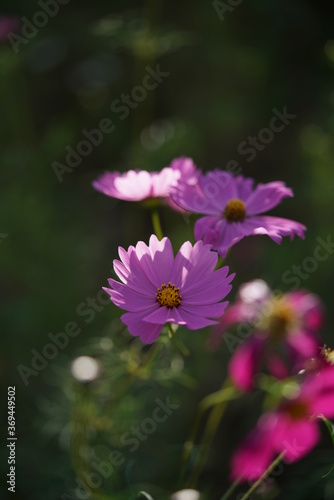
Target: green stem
<point>171,331</point>
<point>156,223</point>
<point>220,262</point>
<point>153,354</point>
<point>218,401</point>
<point>263,477</point>
<point>231,490</point>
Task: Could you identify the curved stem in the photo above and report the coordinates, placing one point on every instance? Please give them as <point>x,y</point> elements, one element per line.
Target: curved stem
<point>156,223</point>
<point>263,477</point>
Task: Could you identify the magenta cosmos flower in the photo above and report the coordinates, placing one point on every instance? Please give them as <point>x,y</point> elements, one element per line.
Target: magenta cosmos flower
<point>138,185</point>
<point>234,208</point>
<point>284,332</point>
<point>292,428</point>
<point>157,288</point>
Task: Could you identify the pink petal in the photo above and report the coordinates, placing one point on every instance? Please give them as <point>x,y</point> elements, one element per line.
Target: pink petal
<point>163,181</point>
<point>193,322</point>
<point>219,233</point>
<point>304,343</point>
<point>295,437</point>
<point>244,187</point>
<point>126,298</point>
<point>121,271</point>
<point>245,362</point>
<point>130,186</point>
<point>192,262</point>
<point>209,196</point>
<point>208,311</point>
<point>212,288</point>
<point>319,388</point>
<point>276,366</point>
<point>254,456</point>
<point>308,307</point>
<point>158,316</point>
<point>147,332</point>
<point>162,258</point>
<point>266,196</point>
<point>186,168</point>
<point>274,227</point>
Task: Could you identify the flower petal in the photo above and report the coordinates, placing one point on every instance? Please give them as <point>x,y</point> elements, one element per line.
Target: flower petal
<point>126,298</point>
<point>295,437</point>
<point>192,262</point>
<point>303,343</point>
<point>245,362</point>
<point>147,332</point>
<point>266,196</point>
<point>254,456</point>
<point>274,227</point>
<point>212,288</point>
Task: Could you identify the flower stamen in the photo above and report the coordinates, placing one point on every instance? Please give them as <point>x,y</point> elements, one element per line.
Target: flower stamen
<point>168,295</point>
<point>280,320</point>
<point>235,210</point>
<point>328,354</point>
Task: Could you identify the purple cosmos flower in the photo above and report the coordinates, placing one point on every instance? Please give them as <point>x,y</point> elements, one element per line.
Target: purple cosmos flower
<point>292,428</point>
<point>234,208</point>
<point>8,24</point>
<point>157,288</point>
<point>138,185</point>
<point>285,331</point>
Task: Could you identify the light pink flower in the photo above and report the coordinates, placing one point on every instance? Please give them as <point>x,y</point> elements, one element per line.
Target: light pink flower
<point>157,288</point>
<point>292,428</point>
<point>284,327</point>
<point>234,208</point>
<point>138,185</point>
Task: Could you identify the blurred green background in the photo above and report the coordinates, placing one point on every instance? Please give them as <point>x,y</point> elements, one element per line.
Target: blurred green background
<point>227,72</point>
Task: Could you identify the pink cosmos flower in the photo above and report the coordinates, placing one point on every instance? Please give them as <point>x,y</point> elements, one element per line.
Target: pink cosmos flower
<point>292,428</point>
<point>234,208</point>
<point>157,288</point>
<point>138,185</point>
<point>8,24</point>
<point>285,332</point>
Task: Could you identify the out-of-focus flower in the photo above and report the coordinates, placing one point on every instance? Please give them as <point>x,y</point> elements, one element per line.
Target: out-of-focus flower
<point>292,428</point>
<point>285,331</point>
<point>85,369</point>
<point>138,185</point>
<point>157,288</point>
<point>186,495</point>
<point>324,359</point>
<point>233,209</point>
<point>8,24</point>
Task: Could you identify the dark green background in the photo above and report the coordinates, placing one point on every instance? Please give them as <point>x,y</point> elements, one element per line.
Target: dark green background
<point>225,79</point>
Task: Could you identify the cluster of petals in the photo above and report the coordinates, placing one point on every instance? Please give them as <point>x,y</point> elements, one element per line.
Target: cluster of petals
<point>234,208</point>
<point>139,185</point>
<point>292,428</point>
<point>284,331</point>
<point>189,282</point>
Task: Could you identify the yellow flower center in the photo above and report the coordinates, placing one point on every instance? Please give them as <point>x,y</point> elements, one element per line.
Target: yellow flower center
<point>278,318</point>
<point>328,354</point>
<point>168,295</point>
<point>235,210</point>
<point>280,321</point>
